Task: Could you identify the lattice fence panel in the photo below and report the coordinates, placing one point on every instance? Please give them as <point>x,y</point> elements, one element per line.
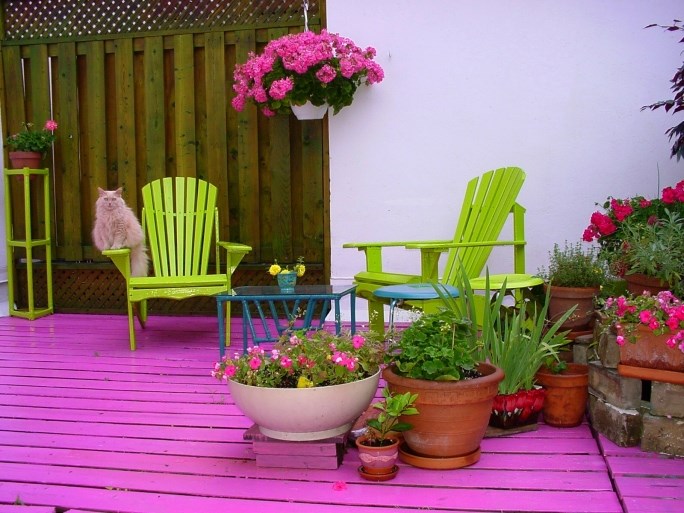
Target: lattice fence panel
<point>62,19</point>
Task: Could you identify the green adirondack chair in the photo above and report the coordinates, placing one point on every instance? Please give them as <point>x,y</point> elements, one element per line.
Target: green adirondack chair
<point>488,203</point>
<point>180,223</point>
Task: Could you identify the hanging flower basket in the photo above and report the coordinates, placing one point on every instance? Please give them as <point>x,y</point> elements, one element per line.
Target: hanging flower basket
<point>307,67</point>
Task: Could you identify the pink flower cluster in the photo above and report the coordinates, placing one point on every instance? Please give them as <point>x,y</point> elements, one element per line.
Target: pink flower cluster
<point>663,313</point>
<point>621,210</point>
<point>299,67</point>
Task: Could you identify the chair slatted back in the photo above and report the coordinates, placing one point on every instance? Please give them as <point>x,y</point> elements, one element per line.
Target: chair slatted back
<point>178,216</point>
<point>488,202</point>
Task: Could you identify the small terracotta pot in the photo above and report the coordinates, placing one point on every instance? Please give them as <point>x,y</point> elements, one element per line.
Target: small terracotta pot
<point>567,393</point>
<point>377,460</point>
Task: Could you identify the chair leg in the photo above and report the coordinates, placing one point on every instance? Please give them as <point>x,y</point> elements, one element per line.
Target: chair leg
<point>140,311</point>
<point>131,326</point>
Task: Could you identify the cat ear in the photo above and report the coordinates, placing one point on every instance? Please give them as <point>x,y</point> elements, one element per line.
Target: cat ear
<point>119,191</point>
<point>100,191</point>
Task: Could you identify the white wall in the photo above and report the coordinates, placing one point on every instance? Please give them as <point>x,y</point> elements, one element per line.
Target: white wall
<point>553,87</point>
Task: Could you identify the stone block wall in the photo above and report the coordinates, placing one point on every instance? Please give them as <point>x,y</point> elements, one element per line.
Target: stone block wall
<point>629,411</point>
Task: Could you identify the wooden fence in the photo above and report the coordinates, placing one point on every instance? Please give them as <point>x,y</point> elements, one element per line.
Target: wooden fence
<point>134,108</point>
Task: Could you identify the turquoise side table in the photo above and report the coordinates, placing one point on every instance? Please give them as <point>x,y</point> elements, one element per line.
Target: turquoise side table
<point>412,291</point>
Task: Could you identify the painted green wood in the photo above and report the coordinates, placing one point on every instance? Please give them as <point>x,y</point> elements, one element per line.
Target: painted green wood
<point>277,211</point>
<point>489,201</point>
<point>69,220</point>
<point>14,115</point>
<point>186,140</point>
<point>216,105</point>
<point>312,183</point>
<point>178,218</point>
<point>248,157</point>
<point>93,121</point>
<point>125,122</point>
<point>126,108</point>
<point>155,138</point>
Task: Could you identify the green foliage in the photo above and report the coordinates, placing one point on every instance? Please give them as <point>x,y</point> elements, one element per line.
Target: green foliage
<point>520,341</point>
<point>437,346</point>
<point>391,408</point>
<point>572,266</point>
<point>30,140</point>
<point>657,249</point>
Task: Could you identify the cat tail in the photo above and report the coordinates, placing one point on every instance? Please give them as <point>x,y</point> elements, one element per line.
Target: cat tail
<point>139,260</point>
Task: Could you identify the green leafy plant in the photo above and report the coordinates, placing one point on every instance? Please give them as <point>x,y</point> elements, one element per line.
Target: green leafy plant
<point>657,249</point>
<point>573,266</point>
<point>305,359</point>
<point>436,346</point>
<point>520,340</point>
<point>33,140</point>
<point>391,408</point>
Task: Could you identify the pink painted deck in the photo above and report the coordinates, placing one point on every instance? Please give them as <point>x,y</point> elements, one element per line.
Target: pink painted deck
<point>86,425</point>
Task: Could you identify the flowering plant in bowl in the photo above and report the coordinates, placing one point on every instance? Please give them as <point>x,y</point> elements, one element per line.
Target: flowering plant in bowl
<point>299,268</point>
<point>304,360</point>
<point>294,69</point>
<point>662,313</point>
<point>33,140</point>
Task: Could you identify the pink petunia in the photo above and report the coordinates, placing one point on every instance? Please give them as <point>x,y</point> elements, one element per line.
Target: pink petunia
<point>51,125</point>
<point>255,363</point>
<point>358,341</point>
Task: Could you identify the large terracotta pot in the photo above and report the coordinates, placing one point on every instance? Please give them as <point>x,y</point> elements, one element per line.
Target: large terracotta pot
<point>651,351</point>
<point>638,283</point>
<point>564,298</point>
<point>22,159</point>
<point>567,393</point>
<point>305,413</point>
<point>453,415</point>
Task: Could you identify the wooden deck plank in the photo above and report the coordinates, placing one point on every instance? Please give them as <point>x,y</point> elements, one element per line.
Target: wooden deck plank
<point>86,425</point>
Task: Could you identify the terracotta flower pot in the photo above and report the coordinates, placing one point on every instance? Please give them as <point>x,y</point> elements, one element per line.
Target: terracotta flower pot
<point>377,460</point>
<point>638,283</point>
<point>22,159</point>
<point>650,351</point>
<point>567,393</point>
<point>564,298</point>
<point>453,415</point>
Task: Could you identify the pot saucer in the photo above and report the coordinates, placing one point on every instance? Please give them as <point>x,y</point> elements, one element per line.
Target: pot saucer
<point>379,477</point>
<point>435,462</point>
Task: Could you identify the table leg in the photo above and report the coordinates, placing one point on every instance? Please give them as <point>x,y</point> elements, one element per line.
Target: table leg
<point>222,327</point>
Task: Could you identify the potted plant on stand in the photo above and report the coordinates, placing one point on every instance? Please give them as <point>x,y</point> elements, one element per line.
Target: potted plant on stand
<point>379,446</point>
<point>310,386</point>
<point>642,240</point>
<point>306,73</point>
<point>574,277</point>
<point>567,392</point>
<point>28,147</point>
<point>650,333</point>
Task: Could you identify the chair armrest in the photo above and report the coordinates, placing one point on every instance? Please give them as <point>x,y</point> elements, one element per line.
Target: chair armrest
<point>373,250</point>
<point>236,252</point>
<point>446,246</point>
<point>122,260</point>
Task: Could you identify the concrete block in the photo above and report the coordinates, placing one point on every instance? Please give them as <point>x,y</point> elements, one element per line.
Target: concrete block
<point>580,348</point>
<point>622,427</point>
<point>608,350</point>
<point>667,399</point>
<point>609,386</point>
<point>663,434</point>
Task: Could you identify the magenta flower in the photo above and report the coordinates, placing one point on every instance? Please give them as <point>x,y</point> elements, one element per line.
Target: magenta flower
<point>51,125</point>
<point>255,363</point>
<point>358,341</point>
